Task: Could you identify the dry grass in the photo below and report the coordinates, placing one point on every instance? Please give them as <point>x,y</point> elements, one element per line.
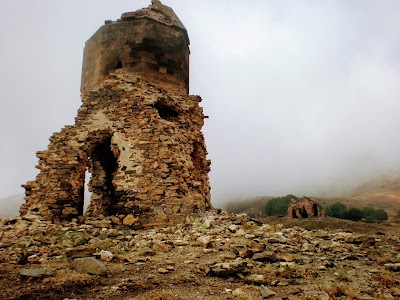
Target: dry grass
<point>247,293</point>
<point>332,224</point>
<point>286,272</point>
<point>67,276</point>
<point>163,296</point>
<point>116,268</point>
<point>381,261</point>
<point>104,244</point>
<point>243,297</point>
<point>268,269</point>
<point>306,272</point>
<point>334,290</point>
<point>341,275</point>
<point>386,278</point>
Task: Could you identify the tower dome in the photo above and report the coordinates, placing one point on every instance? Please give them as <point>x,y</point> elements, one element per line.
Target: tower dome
<point>151,42</point>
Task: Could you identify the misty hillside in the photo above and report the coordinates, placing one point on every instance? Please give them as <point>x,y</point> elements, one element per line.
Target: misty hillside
<point>382,185</point>
<point>251,206</point>
<point>381,192</point>
<point>9,206</point>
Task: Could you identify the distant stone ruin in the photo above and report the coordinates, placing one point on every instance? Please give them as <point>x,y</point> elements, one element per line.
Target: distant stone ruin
<point>303,208</point>
<point>138,132</point>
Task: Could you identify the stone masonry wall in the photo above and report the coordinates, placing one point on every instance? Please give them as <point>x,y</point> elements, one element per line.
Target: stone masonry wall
<point>144,148</point>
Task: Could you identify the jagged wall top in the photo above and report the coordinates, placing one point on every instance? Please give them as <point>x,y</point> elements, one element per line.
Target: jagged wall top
<point>156,11</point>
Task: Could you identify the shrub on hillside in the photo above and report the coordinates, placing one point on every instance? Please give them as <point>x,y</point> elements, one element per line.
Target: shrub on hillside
<point>370,219</point>
<point>368,214</point>
<point>381,215</point>
<point>336,210</point>
<point>278,206</point>
<point>372,215</point>
<point>353,214</point>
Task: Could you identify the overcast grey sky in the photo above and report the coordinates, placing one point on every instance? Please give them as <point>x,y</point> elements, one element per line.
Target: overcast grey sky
<point>303,95</point>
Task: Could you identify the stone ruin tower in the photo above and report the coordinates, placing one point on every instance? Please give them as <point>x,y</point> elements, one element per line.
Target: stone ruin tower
<point>138,131</point>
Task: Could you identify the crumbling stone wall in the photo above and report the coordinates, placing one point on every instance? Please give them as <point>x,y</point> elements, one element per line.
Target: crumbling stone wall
<point>140,139</point>
<point>303,208</point>
<point>143,147</point>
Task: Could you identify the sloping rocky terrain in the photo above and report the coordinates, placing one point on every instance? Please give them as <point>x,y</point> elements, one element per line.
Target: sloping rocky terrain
<point>215,256</point>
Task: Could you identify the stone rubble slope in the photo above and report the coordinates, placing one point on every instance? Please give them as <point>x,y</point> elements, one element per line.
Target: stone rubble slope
<point>243,256</point>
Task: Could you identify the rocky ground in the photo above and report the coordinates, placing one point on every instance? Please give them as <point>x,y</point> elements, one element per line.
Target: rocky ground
<point>216,256</point>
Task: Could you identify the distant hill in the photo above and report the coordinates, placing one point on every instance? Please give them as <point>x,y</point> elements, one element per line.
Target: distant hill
<point>9,206</point>
<point>251,206</point>
<point>381,192</point>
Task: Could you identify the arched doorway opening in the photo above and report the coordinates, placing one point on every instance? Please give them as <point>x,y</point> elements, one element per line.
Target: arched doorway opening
<point>304,213</point>
<point>315,210</point>
<point>103,165</point>
<point>87,194</point>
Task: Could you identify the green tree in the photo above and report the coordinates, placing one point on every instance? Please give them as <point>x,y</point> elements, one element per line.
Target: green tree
<point>336,210</point>
<point>370,219</point>
<point>353,214</point>
<point>278,206</point>
<point>368,212</point>
<point>381,215</point>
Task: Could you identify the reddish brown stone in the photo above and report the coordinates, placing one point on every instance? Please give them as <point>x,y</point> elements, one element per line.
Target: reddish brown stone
<point>129,220</point>
<point>116,220</point>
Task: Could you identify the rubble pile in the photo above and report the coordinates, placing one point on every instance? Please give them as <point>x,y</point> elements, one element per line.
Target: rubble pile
<point>232,255</point>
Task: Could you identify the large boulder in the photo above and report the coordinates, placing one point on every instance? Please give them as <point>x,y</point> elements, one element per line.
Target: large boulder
<point>89,265</point>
